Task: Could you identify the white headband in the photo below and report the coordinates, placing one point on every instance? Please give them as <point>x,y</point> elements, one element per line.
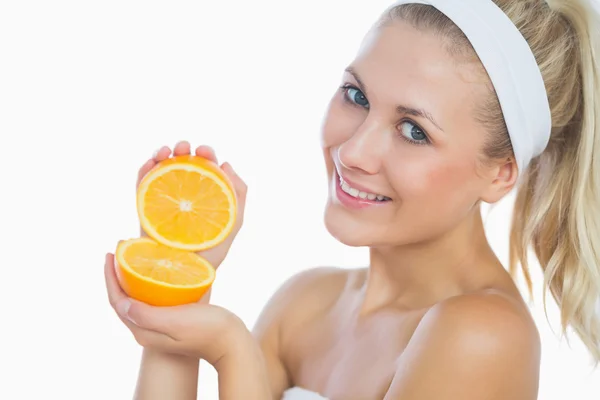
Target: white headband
<point>512,68</point>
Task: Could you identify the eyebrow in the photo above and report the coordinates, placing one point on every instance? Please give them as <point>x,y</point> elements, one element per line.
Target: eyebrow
<point>401,109</point>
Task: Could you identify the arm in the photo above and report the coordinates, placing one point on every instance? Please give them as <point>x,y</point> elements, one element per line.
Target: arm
<point>470,348</point>
<point>175,338</point>
<point>242,371</point>
<point>254,367</point>
<point>248,367</point>
<point>163,374</point>
<point>168,376</point>
<point>292,305</point>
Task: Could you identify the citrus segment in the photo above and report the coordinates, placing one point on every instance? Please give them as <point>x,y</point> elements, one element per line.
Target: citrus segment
<point>162,276</point>
<point>187,203</point>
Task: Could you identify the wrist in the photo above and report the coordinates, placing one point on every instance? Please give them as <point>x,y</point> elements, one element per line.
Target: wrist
<point>172,358</point>
<point>166,376</point>
<point>239,345</point>
<point>242,370</point>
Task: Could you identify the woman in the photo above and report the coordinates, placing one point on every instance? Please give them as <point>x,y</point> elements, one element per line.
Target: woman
<point>447,104</point>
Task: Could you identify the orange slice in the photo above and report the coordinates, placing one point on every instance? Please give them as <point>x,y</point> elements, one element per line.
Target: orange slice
<point>187,203</point>
<point>161,276</point>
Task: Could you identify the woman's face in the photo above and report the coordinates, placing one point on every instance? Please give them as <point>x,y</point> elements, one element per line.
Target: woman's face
<point>401,141</point>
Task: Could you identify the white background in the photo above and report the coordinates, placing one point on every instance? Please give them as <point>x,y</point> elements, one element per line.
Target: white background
<point>88,90</point>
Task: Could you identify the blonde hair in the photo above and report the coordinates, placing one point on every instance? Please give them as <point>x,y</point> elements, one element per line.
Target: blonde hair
<point>557,208</point>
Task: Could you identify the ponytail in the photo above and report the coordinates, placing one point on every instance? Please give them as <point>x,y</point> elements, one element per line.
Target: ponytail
<point>557,209</point>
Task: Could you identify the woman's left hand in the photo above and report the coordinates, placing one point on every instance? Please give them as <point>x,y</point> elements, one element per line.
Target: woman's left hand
<point>197,330</point>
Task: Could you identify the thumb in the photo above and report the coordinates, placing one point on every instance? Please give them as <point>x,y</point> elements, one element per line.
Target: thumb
<point>241,189</point>
<point>145,316</point>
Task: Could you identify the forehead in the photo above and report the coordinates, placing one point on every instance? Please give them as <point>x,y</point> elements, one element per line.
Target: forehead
<point>399,63</point>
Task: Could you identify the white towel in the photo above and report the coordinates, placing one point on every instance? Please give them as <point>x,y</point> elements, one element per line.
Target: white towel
<point>297,393</point>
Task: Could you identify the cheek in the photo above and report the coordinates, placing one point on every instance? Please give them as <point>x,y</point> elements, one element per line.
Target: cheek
<point>434,182</point>
<point>447,179</point>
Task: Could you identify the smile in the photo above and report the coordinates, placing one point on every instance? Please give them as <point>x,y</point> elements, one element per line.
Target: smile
<point>355,197</point>
<point>359,194</point>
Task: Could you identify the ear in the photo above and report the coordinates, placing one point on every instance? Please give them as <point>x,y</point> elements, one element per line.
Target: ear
<point>501,179</point>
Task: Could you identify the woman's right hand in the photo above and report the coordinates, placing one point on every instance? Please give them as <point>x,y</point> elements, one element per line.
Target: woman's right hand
<point>217,254</point>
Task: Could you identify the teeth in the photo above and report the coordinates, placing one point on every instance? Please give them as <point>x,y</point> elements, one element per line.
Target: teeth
<point>363,195</point>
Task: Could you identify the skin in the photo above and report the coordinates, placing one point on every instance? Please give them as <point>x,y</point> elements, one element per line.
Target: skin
<point>434,315</point>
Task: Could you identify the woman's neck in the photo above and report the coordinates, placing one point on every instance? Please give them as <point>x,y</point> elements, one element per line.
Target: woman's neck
<point>420,275</point>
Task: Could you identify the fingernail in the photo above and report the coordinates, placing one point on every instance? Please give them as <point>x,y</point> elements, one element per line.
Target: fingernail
<point>123,308</point>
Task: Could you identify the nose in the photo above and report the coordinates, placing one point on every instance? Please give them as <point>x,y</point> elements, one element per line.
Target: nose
<point>364,150</point>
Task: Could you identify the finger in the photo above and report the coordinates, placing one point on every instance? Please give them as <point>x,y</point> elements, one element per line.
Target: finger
<point>122,303</point>
<point>182,148</point>
<point>162,154</point>
<point>119,300</point>
<point>206,152</point>
<point>129,310</point>
<point>168,321</point>
<point>147,338</point>
<point>241,189</point>
<point>145,169</point>
<point>116,295</point>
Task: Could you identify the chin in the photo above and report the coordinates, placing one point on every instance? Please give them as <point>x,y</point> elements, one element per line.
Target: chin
<point>348,230</point>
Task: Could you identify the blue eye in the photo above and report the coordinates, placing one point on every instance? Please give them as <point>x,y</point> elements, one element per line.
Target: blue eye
<point>413,133</point>
<point>355,96</point>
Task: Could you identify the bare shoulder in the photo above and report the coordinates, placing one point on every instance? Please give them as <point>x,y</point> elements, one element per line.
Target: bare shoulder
<point>493,317</point>
<point>317,281</point>
<point>478,345</point>
<point>307,293</point>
